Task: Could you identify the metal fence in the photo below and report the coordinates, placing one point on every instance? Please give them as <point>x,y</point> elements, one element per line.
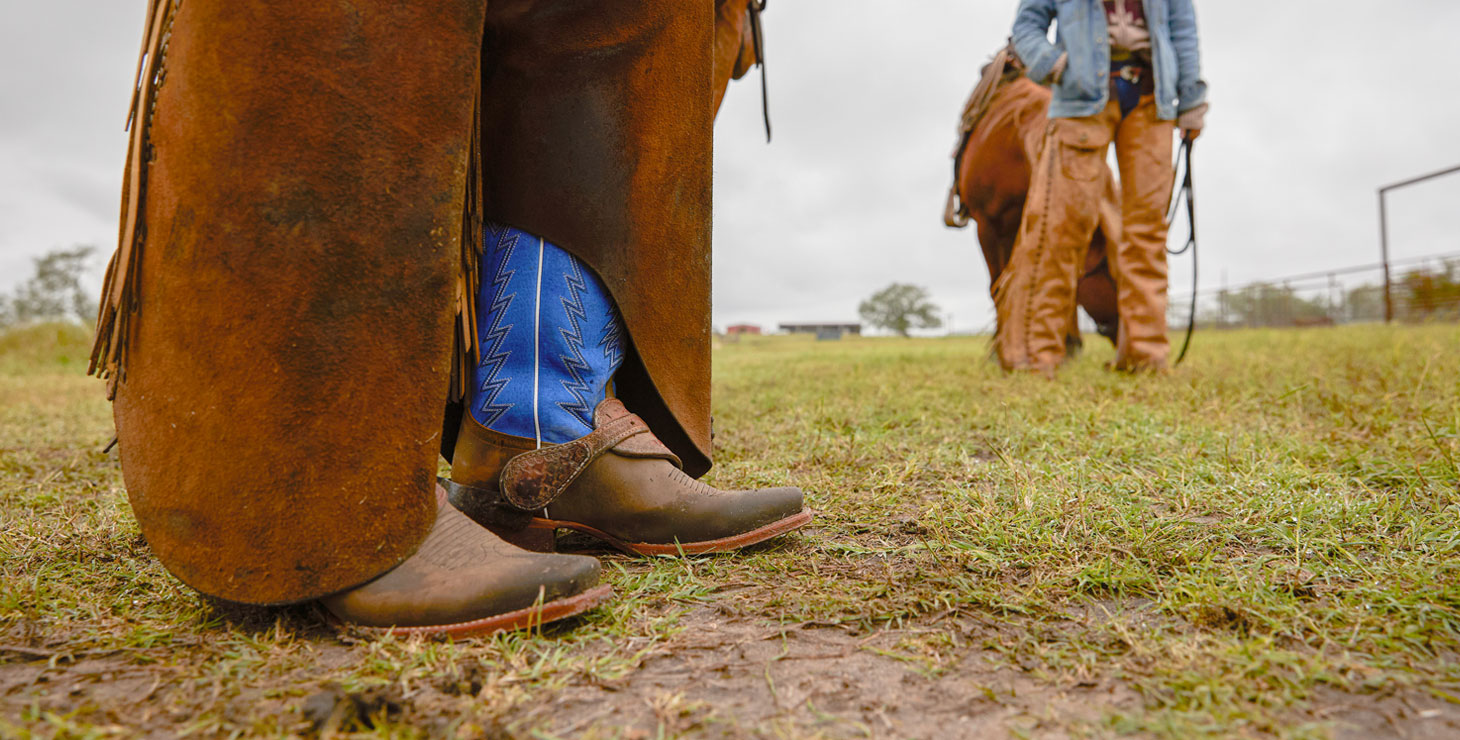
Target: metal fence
<point>1423,289</point>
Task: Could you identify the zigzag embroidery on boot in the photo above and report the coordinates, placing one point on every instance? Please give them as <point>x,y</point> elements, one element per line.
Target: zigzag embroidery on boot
<point>542,313</point>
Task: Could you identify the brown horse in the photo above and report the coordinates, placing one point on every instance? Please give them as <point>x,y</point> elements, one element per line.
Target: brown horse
<point>737,42</point>
<point>999,141</point>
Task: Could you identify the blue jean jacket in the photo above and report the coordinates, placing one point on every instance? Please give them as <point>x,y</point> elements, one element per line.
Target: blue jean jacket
<point>1084,87</point>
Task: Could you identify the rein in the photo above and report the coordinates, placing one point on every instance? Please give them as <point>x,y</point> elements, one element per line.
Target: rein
<point>755,8</point>
<point>1184,190</point>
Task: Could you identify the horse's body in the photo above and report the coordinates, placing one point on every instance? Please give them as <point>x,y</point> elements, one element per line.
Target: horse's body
<point>1000,141</point>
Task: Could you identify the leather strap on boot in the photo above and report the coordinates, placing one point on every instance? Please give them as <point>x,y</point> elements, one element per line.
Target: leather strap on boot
<point>533,479</point>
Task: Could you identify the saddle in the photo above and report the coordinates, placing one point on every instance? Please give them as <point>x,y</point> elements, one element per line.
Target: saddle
<point>1004,68</point>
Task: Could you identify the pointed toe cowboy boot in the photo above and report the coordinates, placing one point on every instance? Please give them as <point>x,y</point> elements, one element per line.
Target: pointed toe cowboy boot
<point>466,581</point>
<point>543,446</point>
<point>619,484</point>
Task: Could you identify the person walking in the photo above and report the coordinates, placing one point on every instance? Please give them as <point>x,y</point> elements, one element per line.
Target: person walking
<point>1125,72</point>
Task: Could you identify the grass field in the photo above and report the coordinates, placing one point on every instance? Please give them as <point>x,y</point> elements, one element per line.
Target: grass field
<point>1266,543</point>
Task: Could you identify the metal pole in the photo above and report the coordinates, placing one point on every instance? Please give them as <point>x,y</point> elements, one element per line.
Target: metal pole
<point>1384,256</point>
<point>1384,230</point>
<point>1422,178</point>
<point>1288,304</point>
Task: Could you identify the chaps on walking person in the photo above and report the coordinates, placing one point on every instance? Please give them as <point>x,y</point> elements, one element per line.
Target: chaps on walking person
<point>1125,72</point>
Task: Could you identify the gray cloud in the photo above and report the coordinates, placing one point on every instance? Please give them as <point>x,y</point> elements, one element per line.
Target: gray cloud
<point>1315,104</point>
<point>63,97</point>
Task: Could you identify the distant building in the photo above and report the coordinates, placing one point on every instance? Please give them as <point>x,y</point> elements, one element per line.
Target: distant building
<point>823,330</point>
<point>743,329</point>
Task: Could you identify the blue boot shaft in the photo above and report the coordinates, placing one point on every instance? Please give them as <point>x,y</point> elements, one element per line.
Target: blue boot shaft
<point>550,339</point>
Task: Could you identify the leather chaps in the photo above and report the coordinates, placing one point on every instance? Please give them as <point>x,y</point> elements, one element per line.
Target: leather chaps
<point>279,319</point>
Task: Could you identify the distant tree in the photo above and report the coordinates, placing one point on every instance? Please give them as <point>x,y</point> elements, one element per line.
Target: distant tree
<point>1273,305</point>
<point>54,292</point>
<point>1432,291</point>
<point>900,307</point>
<point>1364,303</point>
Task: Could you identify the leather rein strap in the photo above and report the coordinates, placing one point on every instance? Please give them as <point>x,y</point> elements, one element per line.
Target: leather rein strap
<point>755,8</point>
<point>1184,190</point>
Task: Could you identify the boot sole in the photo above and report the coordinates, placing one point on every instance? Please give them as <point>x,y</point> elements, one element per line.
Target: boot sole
<point>533,616</point>
<point>540,532</point>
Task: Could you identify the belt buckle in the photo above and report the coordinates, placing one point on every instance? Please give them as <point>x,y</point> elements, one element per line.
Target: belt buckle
<point>1131,73</point>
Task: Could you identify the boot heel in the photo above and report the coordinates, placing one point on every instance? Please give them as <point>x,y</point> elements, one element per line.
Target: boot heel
<point>531,537</point>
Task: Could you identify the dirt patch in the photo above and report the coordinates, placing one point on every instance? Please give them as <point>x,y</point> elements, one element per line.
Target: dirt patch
<point>732,679</point>
<point>716,677</point>
<point>1411,714</point>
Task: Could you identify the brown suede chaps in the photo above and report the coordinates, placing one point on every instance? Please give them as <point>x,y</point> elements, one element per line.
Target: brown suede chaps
<point>1035,295</point>
<point>285,310</point>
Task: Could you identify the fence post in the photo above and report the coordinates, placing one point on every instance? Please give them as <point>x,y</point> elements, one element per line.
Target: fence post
<point>1384,231</point>
<point>1384,256</point>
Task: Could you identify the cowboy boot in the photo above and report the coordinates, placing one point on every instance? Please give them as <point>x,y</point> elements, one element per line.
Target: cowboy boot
<point>466,581</point>
<point>543,446</point>
<point>619,484</point>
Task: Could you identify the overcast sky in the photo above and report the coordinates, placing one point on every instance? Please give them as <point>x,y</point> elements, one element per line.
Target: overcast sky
<point>1314,105</point>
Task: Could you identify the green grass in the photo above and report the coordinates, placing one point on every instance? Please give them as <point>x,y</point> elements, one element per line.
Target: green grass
<point>1251,546</point>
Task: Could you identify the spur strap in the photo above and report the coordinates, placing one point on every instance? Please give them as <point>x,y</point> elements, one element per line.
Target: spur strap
<point>534,478</point>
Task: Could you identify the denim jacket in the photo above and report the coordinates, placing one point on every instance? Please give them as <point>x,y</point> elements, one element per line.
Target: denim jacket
<point>1084,86</point>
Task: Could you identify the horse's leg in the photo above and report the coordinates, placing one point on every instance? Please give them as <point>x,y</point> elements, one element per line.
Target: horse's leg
<point>996,247</point>
<point>1074,343</point>
<point>1096,290</point>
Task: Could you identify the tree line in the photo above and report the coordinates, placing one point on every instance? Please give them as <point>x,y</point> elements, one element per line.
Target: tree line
<point>1420,294</point>
<point>53,293</point>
